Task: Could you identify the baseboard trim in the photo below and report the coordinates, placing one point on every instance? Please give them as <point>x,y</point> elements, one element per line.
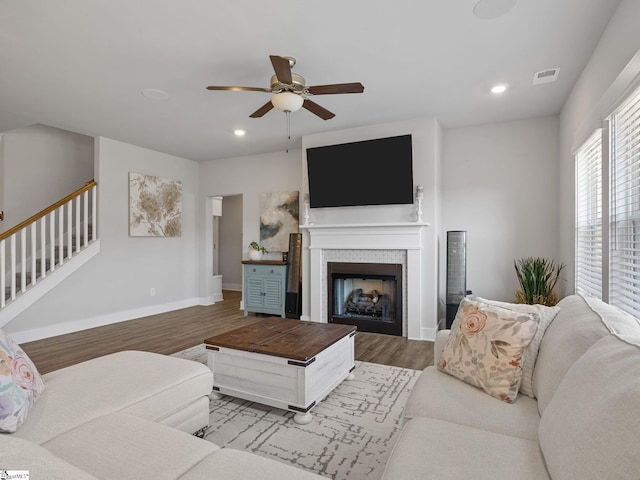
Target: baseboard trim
<point>232,286</point>
<point>210,300</point>
<point>99,321</point>
<point>206,301</point>
<point>428,334</point>
<point>217,297</point>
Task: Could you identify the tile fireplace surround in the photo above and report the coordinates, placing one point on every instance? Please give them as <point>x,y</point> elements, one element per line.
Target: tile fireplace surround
<point>397,243</point>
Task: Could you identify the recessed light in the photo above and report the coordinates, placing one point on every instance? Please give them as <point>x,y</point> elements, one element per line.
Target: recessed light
<point>238,132</point>
<point>155,94</point>
<point>498,89</point>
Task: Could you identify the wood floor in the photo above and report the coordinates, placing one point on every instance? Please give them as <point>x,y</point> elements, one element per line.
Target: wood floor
<point>171,332</point>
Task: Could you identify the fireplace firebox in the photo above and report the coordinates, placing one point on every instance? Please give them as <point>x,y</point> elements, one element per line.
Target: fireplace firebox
<point>367,295</point>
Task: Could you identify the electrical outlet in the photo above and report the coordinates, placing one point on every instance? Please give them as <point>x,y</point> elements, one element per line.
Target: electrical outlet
<point>152,292</point>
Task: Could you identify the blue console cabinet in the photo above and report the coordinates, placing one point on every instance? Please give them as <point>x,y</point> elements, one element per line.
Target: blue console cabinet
<point>264,286</point>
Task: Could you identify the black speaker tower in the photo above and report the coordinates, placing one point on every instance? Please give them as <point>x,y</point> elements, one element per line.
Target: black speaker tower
<point>456,272</point>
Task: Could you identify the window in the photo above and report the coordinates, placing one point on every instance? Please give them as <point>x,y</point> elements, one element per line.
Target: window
<point>624,276</point>
<point>608,192</point>
<point>589,217</point>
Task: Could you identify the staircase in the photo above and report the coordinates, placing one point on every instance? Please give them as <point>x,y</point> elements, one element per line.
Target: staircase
<point>39,253</point>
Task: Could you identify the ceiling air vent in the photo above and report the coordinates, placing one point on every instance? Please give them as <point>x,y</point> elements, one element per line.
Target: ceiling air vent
<point>546,76</point>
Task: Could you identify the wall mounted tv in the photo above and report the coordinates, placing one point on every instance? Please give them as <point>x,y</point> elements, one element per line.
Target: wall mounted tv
<point>370,172</point>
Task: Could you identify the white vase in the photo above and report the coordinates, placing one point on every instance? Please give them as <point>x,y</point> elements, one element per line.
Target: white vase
<point>255,254</point>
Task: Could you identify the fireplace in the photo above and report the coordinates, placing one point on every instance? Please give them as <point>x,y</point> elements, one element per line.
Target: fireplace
<point>410,244</point>
<point>367,295</point>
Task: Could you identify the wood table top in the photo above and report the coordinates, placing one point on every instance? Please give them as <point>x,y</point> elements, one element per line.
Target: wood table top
<point>283,337</point>
<point>264,262</point>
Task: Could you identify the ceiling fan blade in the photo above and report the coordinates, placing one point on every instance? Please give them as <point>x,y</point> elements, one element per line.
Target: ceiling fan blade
<point>322,112</point>
<point>262,110</point>
<point>282,67</point>
<point>356,87</point>
<point>239,89</point>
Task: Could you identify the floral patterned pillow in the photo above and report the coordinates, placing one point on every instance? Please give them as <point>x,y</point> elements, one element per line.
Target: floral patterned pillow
<point>20,384</point>
<point>485,347</point>
<point>530,355</point>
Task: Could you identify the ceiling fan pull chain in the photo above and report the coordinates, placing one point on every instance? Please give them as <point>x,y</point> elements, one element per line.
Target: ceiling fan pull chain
<point>288,114</point>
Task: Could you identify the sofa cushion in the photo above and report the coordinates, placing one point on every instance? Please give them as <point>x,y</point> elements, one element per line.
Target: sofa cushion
<point>20,384</point>
<point>229,464</point>
<point>590,427</point>
<point>438,395</point>
<point>438,345</point>
<point>19,454</point>
<point>485,347</point>
<point>159,386</point>
<point>434,449</point>
<point>124,446</point>
<point>576,328</point>
<point>546,314</point>
<point>616,321</point>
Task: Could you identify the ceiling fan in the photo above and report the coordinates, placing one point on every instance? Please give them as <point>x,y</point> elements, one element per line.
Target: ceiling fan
<point>290,92</point>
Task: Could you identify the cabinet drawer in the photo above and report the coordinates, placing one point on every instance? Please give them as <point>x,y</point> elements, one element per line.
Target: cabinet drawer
<point>264,270</point>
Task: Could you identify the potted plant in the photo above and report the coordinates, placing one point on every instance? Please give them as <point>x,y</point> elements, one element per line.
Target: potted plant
<point>256,251</point>
<point>537,277</point>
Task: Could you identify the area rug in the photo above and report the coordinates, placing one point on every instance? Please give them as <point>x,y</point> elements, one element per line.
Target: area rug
<point>350,437</point>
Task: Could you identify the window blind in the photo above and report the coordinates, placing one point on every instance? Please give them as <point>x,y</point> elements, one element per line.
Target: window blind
<point>624,274</point>
<point>588,251</point>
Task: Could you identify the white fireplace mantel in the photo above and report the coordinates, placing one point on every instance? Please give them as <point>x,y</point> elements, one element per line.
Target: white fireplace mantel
<point>404,236</point>
<point>368,236</point>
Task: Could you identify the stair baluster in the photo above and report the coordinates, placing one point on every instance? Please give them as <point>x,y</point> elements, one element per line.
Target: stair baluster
<point>27,257</point>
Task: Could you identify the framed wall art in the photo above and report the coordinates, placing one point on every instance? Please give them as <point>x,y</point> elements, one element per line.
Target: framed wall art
<point>279,216</point>
<point>155,206</point>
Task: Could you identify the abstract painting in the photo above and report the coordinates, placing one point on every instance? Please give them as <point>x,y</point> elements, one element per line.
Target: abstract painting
<point>155,206</point>
<point>279,216</point>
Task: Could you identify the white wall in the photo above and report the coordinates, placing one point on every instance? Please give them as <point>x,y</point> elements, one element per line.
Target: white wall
<point>612,70</point>
<point>42,165</point>
<point>116,284</point>
<point>230,244</point>
<point>500,184</point>
<point>249,176</point>
<point>426,137</point>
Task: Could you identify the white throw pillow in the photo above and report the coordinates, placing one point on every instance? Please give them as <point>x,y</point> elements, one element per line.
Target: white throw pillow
<point>530,355</point>
<point>20,384</point>
<point>485,347</point>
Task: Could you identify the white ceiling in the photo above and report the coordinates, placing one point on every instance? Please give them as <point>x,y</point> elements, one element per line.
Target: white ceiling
<point>81,65</point>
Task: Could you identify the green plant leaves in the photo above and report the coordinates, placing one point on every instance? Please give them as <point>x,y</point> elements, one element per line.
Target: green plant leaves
<point>537,278</point>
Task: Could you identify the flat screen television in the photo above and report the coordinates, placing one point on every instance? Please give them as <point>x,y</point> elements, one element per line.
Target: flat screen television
<point>370,172</point>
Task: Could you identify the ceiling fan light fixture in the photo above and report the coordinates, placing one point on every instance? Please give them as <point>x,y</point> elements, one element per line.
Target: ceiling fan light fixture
<point>287,101</point>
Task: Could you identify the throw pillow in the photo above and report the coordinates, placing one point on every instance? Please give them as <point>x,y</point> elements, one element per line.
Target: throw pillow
<point>547,314</point>
<point>485,347</point>
<point>20,384</point>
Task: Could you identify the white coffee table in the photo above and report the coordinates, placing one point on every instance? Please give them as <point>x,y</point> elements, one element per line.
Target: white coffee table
<point>284,363</point>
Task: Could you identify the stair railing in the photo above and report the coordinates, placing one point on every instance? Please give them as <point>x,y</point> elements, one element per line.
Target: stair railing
<point>45,241</point>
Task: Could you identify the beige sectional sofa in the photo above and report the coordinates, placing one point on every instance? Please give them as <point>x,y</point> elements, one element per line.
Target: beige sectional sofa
<point>129,415</point>
<point>583,424</point>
